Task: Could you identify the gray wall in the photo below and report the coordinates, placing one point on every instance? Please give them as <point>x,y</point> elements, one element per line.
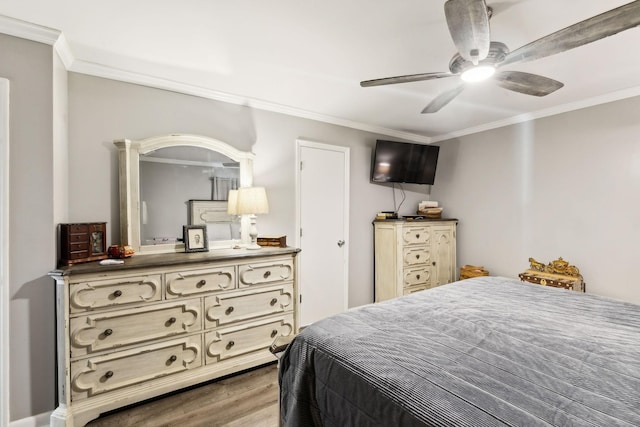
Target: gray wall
<point>32,228</point>
<point>101,110</point>
<point>563,186</point>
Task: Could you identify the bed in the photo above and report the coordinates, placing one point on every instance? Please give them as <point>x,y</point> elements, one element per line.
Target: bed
<point>487,351</point>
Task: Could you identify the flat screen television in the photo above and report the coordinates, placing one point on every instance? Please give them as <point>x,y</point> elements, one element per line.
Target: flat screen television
<point>404,162</point>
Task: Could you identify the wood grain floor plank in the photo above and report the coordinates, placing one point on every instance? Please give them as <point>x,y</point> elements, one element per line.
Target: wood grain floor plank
<point>248,399</point>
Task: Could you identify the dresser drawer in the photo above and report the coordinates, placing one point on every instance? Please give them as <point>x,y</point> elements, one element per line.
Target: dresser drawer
<point>246,338</point>
<point>78,228</point>
<point>89,295</point>
<point>415,235</point>
<point>416,276</point>
<point>78,238</point>
<point>103,331</point>
<point>96,375</point>
<point>261,273</point>
<point>78,254</point>
<point>79,246</point>
<point>415,255</point>
<point>408,291</point>
<point>232,307</point>
<point>190,282</point>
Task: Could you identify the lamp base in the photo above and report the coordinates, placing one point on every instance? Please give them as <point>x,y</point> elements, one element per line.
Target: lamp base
<point>253,234</point>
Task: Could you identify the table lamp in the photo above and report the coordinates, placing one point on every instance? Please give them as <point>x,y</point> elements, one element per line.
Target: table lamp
<point>251,201</point>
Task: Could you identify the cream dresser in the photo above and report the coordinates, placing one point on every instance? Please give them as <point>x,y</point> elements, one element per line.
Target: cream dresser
<point>411,256</point>
<point>159,323</point>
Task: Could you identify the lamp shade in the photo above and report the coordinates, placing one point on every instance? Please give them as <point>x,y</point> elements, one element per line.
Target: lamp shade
<point>252,200</point>
<point>232,202</point>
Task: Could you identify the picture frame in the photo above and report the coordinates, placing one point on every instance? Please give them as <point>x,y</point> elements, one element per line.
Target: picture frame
<point>195,238</point>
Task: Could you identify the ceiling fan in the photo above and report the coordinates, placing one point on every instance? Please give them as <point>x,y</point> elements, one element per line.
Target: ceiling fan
<point>478,57</point>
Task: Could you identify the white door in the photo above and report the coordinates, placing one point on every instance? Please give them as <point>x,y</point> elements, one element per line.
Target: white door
<point>323,229</point>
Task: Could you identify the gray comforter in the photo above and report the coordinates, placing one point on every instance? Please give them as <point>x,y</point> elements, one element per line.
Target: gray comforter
<point>480,352</point>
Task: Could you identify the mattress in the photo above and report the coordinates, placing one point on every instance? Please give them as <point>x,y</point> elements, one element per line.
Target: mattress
<point>486,351</point>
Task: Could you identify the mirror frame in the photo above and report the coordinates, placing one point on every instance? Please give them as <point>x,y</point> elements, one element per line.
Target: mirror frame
<point>129,152</point>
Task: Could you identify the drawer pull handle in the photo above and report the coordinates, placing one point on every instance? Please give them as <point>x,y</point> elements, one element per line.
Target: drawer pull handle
<point>418,256</point>
<point>229,310</point>
<point>201,283</point>
<point>117,293</point>
<point>173,358</point>
<point>274,333</point>
<point>433,263</point>
<point>267,274</point>
<point>108,332</point>
<point>108,374</point>
<point>171,320</point>
<point>418,276</point>
<point>417,236</point>
<point>230,344</point>
<point>273,301</point>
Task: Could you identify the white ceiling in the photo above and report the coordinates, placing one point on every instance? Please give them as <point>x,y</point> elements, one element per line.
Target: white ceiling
<point>308,57</point>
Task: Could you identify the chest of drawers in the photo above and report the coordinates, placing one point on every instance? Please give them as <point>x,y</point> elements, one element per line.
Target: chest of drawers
<point>159,323</point>
<point>412,256</point>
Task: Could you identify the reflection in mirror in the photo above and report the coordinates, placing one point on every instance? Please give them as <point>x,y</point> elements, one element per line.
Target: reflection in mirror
<point>171,177</point>
<point>170,181</point>
<point>213,214</point>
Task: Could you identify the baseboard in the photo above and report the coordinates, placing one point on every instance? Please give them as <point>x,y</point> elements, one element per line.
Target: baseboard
<point>41,420</point>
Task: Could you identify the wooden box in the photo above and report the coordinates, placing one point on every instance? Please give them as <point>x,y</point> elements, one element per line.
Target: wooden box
<point>557,274</point>
<point>274,241</point>
<point>82,242</point>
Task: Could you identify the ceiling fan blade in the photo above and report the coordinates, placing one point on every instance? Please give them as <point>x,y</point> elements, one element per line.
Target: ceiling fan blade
<point>443,99</point>
<point>468,22</point>
<point>584,32</point>
<point>405,79</point>
<point>529,84</point>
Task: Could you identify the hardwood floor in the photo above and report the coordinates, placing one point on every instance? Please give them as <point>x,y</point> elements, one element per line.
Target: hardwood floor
<point>249,399</point>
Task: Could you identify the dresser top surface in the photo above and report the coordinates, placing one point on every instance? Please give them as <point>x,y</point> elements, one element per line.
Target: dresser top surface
<point>169,259</point>
<point>414,220</point>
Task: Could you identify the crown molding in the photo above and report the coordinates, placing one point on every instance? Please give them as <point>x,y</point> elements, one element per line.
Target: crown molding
<point>23,29</point>
<point>27,30</point>
<point>100,70</point>
<point>64,51</point>
<point>553,111</point>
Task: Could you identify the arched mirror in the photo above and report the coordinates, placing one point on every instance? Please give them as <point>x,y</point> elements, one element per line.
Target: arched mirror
<point>174,180</point>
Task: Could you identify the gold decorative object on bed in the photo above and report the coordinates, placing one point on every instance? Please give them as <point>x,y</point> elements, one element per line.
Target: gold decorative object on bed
<point>558,274</point>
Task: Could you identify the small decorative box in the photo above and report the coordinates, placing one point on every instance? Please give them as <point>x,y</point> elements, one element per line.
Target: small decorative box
<point>273,241</point>
<point>82,242</point>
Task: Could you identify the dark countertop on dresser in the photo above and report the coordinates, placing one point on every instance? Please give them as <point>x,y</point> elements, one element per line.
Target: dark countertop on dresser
<point>415,220</point>
<point>169,259</point>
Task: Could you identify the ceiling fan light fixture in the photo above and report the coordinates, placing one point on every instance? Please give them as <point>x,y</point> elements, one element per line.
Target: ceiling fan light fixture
<point>478,73</point>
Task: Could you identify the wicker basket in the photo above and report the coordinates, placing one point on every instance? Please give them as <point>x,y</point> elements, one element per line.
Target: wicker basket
<point>469,271</point>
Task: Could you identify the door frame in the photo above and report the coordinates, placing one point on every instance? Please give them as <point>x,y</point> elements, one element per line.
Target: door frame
<point>300,143</point>
<point>4,252</point>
